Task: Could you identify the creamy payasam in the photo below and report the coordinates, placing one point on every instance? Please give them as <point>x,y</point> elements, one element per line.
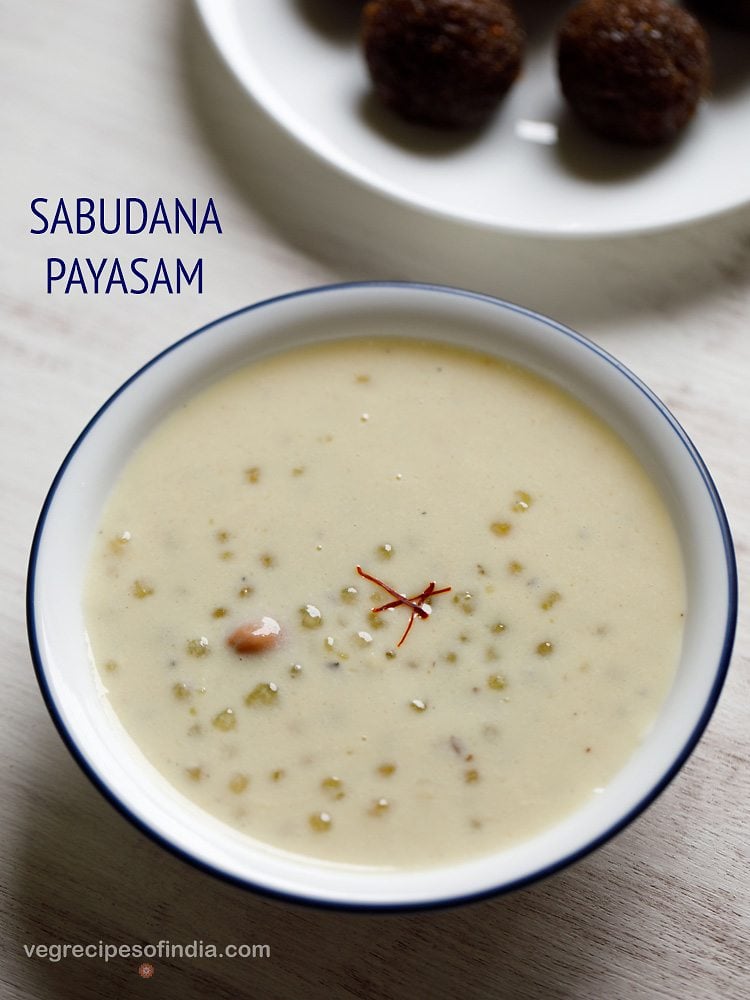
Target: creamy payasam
<point>385,602</point>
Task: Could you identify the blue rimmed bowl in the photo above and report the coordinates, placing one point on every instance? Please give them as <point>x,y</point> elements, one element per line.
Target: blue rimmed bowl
<point>61,546</point>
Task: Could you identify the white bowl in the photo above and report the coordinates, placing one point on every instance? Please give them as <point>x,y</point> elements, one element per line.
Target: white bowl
<point>64,533</point>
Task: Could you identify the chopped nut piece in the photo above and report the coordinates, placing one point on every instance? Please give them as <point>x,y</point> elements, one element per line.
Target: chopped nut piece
<point>255,637</point>
<point>238,783</point>
<point>497,627</point>
<point>181,691</point>
<point>497,682</point>
<point>466,601</point>
<point>522,502</point>
<point>320,822</point>
<point>295,670</point>
<point>544,648</point>
<point>197,647</point>
<point>364,638</point>
<point>225,721</point>
<point>119,543</point>
<point>333,786</point>
<point>550,600</point>
<point>310,616</point>
<point>375,620</point>
<point>417,705</point>
<point>265,693</point>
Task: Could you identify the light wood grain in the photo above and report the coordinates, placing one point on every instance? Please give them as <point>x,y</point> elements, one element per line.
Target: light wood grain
<point>100,98</point>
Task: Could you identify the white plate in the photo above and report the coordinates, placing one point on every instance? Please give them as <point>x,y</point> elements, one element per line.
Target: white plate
<point>532,170</point>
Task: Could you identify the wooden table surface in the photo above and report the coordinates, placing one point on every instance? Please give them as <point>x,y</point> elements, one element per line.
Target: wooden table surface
<point>106,99</point>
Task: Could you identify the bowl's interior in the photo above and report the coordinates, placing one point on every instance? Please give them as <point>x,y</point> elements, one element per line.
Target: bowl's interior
<point>63,540</point>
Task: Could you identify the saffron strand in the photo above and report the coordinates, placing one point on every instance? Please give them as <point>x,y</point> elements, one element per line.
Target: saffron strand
<point>415,604</point>
<point>400,598</point>
<point>430,592</point>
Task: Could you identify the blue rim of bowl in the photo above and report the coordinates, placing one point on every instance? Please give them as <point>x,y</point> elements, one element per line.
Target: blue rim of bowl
<point>453,900</point>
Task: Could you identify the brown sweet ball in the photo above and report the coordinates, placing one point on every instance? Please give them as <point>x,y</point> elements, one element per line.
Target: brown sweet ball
<point>633,70</point>
<point>442,62</point>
